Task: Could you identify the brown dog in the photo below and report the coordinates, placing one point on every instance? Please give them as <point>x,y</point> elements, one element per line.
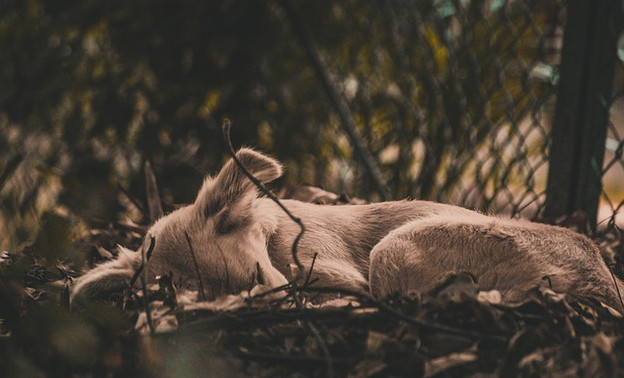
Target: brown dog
<point>384,248</point>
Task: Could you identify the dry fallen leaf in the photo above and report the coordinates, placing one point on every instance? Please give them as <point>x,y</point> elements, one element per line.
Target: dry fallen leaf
<point>222,303</point>
<point>368,368</point>
<point>441,364</point>
<point>374,342</point>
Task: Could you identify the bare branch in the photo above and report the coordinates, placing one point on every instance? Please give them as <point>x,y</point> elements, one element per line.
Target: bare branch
<point>260,185</point>
<point>201,283</point>
<point>132,199</point>
<point>307,280</point>
<point>315,332</point>
<point>338,102</point>
<point>154,202</point>
<point>10,168</point>
<point>400,315</point>
<point>144,259</point>
<point>617,288</point>
<point>150,249</point>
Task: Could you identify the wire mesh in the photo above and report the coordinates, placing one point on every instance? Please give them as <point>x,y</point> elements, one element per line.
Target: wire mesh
<point>465,112</point>
<point>612,200</point>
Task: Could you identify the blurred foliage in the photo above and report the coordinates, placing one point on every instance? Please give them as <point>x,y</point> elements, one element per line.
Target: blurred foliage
<point>90,90</point>
<point>440,90</point>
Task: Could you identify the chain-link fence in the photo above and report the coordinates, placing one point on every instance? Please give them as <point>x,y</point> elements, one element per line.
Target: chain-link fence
<point>612,199</point>
<point>471,123</point>
<point>447,100</point>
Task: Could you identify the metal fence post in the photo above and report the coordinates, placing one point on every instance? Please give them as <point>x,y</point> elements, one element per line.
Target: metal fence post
<point>582,110</point>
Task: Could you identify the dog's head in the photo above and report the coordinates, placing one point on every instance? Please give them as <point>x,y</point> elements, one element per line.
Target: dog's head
<point>218,239</point>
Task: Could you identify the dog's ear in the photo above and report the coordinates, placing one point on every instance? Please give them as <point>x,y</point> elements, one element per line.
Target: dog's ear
<point>232,188</point>
<point>264,168</point>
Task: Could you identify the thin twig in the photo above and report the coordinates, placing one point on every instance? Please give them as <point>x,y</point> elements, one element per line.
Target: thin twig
<point>337,100</point>
<point>317,335</point>
<point>148,314</point>
<point>154,202</point>
<point>315,332</point>
<point>324,348</point>
<point>10,168</point>
<point>398,314</point>
<point>226,265</point>
<point>617,288</point>
<point>618,233</point>
<point>253,317</point>
<point>285,287</point>
<point>307,279</point>
<point>149,255</point>
<point>133,200</point>
<point>199,278</point>
<point>260,185</point>
<point>284,358</point>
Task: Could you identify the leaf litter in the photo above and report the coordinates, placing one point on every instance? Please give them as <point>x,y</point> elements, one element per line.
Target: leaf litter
<point>451,330</point>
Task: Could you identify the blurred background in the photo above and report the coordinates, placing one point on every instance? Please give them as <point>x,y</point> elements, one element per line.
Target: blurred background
<point>448,100</point>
